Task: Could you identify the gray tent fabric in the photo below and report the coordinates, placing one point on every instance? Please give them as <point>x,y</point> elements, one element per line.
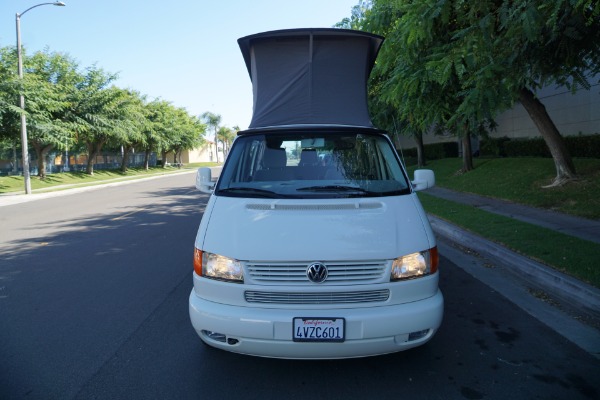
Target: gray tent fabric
<point>310,76</point>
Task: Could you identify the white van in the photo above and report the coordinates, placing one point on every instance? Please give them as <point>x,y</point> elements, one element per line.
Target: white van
<point>313,244</point>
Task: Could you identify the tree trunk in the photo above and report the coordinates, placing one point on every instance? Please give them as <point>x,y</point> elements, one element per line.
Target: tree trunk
<point>467,153</point>
<point>125,160</point>
<point>89,169</point>
<point>147,159</point>
<point>41,152</point>
<point>14,162</point>
<point>164,158</point>
<point>178,155</point>
<point>93,150</point>
<point>40,160</point>
<point>565,169</point>
<point>421,162</point>
<point>216,148</point>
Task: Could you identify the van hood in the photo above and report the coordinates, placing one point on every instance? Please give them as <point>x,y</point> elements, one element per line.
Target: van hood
<point>315,229</point>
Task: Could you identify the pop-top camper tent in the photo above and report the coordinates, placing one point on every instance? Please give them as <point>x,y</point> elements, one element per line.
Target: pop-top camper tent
<point>310,76</point>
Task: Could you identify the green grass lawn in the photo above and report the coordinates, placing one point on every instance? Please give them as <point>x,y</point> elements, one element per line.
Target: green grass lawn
<point>571,255</point>
<point>521,180</point>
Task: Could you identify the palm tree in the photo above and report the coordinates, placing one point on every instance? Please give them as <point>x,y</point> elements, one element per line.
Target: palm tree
<point>226,136</point>
<point>213,121</point>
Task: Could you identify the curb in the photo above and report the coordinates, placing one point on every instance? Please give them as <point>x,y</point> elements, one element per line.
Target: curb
<point>555,283</point>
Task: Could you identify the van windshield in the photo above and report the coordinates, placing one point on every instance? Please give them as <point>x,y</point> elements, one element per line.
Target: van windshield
<point>312,165</point>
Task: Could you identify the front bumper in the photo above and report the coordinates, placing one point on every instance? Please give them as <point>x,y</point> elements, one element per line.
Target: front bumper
<point>267,332</point>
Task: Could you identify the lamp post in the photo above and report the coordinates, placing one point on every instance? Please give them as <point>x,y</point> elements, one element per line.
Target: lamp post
<point>22,97</point>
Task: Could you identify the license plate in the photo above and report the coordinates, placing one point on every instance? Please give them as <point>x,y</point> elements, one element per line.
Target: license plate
<point>319,329</point>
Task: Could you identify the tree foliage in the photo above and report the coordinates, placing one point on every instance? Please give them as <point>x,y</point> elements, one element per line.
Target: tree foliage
<point>9,116</point>
<point>213,121</point>
<point>226,135</point>
<point>67,107</point>
<point>48,83</point>
<point>455,65</point>
<point>187,133</point>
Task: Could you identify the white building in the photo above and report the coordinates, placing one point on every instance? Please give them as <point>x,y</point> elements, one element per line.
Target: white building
<point>573,113</point>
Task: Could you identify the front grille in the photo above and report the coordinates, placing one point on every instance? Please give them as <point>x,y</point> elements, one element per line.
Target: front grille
<point>317,298</point>
<point>338,273</point>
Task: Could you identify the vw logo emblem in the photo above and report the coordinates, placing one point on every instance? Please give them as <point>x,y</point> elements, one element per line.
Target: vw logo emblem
<point>316,272</point>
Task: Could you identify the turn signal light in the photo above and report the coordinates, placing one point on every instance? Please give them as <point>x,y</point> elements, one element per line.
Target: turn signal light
<point>434,259</point>
<point>198,261</point>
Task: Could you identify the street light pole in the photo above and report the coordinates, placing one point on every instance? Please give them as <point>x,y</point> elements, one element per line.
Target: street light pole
<point>24,147</point>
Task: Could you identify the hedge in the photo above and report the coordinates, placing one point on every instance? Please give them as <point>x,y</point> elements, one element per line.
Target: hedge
<point>581,146</point>
<point>433,151</point>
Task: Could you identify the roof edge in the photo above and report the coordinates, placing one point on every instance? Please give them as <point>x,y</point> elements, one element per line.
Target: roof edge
<point>311,128</point>
<point>244,42</point>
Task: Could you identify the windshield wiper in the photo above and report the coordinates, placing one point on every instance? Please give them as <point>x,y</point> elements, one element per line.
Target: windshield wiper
<point>337,188</point>
<point>247,190</point>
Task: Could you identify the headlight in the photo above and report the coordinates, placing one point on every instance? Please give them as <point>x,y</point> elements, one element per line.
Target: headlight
<point>415,265</point>
<point>214,266</point>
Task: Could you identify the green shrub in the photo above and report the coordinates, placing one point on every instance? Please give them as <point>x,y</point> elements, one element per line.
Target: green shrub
<point>410,161</point>
<point>408,153</point>
<point>493,147</point>
<point>450,149</point>
<point>582,146</point>
<point>434,151</point>
<point>534,147</point>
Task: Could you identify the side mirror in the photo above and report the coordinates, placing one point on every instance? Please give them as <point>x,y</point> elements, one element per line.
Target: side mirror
<point>204,181</point>
<point>424,179</point>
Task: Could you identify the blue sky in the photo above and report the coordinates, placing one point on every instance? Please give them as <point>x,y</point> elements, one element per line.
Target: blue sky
<point>182,51</point>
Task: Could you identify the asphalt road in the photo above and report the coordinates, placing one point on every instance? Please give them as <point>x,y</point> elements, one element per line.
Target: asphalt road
<point>93,304</point>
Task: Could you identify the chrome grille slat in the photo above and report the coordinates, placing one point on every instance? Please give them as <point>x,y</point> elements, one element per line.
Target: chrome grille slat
<point>338,273</point>
<point>371,296</point>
